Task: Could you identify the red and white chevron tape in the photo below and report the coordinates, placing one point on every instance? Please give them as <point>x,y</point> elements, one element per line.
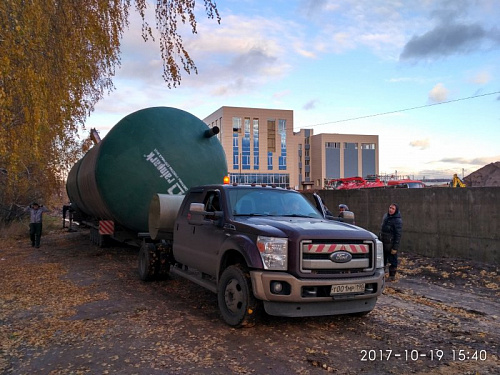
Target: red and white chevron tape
<point>106,227</point>
<point>330,248</point>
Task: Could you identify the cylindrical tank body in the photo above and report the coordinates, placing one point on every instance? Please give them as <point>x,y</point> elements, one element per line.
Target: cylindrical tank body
<point>162,214</point>
<point>155,150</point>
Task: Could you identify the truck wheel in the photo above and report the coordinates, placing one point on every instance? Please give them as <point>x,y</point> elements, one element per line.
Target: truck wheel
<point>147,260</point>
<point>237,304</point>
<point>162,266</point>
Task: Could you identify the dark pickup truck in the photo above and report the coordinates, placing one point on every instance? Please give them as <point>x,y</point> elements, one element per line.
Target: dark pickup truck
<point>265,247</point>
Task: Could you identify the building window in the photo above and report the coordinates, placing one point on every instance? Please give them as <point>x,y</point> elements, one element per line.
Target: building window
<point>278,179</point>
<point>368,146</point>
<point>350,146</point>
<point>270,161</point>
<point>282,134</point>
<point>332,144</point>
<point>271,135</point>
<point>351,159</point>
<point>245,145</point>
<point>236,151</point>
<point>237,124</point>
<point>255,143</point>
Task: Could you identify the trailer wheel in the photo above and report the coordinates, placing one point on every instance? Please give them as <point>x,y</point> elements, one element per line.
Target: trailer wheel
<point>147,260</point>
<point>237,304</point>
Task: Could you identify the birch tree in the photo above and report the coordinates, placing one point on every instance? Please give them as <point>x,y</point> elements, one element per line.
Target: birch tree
<point>57,60</point>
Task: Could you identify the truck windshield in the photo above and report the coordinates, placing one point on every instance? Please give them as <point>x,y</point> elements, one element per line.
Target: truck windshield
<point>270,202</point>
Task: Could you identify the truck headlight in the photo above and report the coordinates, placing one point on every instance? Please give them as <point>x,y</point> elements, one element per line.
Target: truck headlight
<point>380,255</point>
<point>274,252</point>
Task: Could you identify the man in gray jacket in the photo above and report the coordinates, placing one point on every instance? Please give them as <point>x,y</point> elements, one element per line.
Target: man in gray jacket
<point>36,212</point>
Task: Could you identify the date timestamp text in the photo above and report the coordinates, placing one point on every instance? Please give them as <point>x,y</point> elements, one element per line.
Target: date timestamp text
<point>371,355</point>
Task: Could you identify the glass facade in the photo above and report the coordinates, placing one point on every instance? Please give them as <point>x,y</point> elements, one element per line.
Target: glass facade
<point>368,156</point>
<point>332,159</point>
<point>278,179</point>
<point>282,135</point>
<point>255,143</point>
<point>236,148</point>
<point>245,145</point>
<point>350,159</point>
<point>271,142</point>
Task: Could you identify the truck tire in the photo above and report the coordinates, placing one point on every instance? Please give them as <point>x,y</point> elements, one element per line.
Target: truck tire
<point>162,266</point>
<point>237,304</point>
<point>147,260</point>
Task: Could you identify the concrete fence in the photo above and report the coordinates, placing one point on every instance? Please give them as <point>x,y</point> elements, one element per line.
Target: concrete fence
<point>437,222</point>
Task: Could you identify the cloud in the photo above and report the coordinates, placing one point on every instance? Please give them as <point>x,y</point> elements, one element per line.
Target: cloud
<point>445,40</point>
<point>460,27</point>
<point>310,105</point>
<point>344,25</point>
<point>241,53</point>
<point>252,61</point>
<point>419,80</point>
<point>422,144</point>
<point>436,173</point>
<point>481,78</point>
<point>313,7</point>
<point>439,93</point>
<point>475,161</point>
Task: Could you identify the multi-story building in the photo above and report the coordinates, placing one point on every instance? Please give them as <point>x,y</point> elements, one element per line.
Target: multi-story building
<point>343,155</point>
<point>261,147</point>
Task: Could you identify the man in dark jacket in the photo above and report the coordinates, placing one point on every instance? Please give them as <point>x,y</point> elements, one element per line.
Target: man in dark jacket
<point>390,235</point>
<point>36,211</point>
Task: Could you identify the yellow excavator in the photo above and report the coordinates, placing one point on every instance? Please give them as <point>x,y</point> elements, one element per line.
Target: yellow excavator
<point>456,181</point>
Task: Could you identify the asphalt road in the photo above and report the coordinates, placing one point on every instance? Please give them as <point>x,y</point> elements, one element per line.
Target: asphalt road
<point>72,308</point>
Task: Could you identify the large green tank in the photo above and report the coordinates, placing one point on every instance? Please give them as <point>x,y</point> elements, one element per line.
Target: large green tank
<point>155,150</point>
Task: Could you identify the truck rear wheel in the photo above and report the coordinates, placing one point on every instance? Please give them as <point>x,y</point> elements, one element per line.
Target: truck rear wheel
<point>237,304</point>
<point>162,266</point>
<point>147,262</point>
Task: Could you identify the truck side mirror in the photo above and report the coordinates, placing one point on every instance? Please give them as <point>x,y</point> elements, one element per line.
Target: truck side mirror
<point>197,214</point>
<point>217,217</point>
<point>347,217</point>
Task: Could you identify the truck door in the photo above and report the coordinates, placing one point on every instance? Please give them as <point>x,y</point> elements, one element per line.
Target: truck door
<point>202,240</point>
<point>320,205</point>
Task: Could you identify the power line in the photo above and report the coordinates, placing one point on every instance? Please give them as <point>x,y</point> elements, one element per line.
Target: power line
<point>402,110</point>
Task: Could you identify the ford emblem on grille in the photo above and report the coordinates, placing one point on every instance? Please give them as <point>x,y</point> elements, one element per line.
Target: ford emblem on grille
<point>341,257</point>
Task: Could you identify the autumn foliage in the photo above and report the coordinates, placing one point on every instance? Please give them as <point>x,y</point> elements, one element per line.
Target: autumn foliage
<point>57,61</point>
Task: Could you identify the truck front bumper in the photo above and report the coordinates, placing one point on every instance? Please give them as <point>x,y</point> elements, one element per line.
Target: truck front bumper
<point>311,297</point>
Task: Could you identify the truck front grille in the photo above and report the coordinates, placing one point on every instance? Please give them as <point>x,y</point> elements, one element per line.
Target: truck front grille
<point>323,257</point>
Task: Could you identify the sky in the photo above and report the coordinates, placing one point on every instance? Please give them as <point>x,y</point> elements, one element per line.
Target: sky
<point>422,75</point>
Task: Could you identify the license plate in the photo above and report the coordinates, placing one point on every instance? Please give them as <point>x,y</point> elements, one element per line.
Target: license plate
<point>347,288</point>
